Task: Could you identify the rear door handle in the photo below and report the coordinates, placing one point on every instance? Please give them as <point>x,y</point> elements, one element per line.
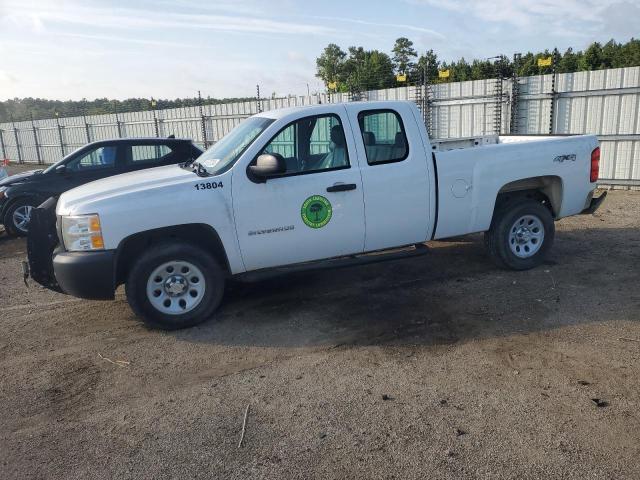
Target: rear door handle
<point>341,187</point>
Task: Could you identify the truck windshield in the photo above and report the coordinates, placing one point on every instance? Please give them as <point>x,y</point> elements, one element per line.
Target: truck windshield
<point>225,152</point>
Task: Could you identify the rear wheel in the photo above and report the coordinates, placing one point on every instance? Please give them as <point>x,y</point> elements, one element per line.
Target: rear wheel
<point>17,216</point>
<point>175,286</point>
<point>521,233</point>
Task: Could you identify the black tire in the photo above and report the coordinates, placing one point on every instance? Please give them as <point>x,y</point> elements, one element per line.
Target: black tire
<point>158,255</point>
<point>498,239</point>
<point>10,226</point>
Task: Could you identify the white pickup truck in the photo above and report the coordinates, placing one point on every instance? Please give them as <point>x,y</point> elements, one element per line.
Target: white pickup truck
<point>303,187</point>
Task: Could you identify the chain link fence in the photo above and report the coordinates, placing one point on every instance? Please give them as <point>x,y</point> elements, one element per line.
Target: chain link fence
<point>603,102</point>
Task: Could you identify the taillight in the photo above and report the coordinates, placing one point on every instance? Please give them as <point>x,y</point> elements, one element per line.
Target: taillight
<point>595,164</point>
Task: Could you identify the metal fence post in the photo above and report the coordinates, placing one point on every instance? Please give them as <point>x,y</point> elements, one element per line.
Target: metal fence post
<point>155,118</point>
<point>553,92</point>
<point>15,135</point>
<point>60,133</point>
<point>86,129</point>
<point>35,140</point>
<point>203,124</point>
<point>4,151</point>
<point>118,127</point>
<point>515,95</point>
<point>258,101</point>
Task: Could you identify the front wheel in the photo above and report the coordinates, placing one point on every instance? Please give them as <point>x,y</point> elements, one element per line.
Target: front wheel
<point>521,234</point>
<point>175,286</point>
<point>17,216</point>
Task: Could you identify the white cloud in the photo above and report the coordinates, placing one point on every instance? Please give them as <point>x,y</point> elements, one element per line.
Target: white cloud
<point>400,26</point>
<point>298,57</point>
<point>129,40</point>
<point>35,14</point>
<point>524,12</point>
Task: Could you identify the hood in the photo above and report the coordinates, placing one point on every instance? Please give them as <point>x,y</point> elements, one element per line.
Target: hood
<point>17,178</point>
<point>84,199</point>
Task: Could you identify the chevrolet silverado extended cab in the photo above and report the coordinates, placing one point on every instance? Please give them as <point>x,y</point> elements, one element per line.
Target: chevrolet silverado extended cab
<point>306,186</point>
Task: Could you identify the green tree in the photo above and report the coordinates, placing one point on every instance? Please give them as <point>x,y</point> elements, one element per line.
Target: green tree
<point>631,53</point>
<point>612,55</point>
<point>568,62</point>
<point>481,69</point>
<point>331,64</point>
<point>592,58</point>
<point>368,70</point>
<point>404,55</point>
<point>428,65</point>
<point>461,71</point>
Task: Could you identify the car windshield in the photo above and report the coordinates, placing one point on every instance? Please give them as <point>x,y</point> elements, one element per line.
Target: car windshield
<point>225,152</point>
<point>51,168</point>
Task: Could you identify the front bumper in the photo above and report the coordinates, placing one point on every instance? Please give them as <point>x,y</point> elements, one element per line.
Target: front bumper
<point>89,275</point>
<point>594,204</point>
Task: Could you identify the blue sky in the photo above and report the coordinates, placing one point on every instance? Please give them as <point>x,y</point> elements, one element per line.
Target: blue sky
<point>70,49</point>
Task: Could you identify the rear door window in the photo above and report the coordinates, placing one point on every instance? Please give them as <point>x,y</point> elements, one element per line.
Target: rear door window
<point>157,153</point>
<point>384,136</point>
<point>148,153</point>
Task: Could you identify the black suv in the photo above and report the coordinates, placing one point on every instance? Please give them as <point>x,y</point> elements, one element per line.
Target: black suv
<point>20,193</point>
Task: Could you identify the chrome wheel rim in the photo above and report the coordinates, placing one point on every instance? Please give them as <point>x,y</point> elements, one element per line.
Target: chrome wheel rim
<point>526,236</point>
<point>21,217</point>
<point>176,287</point>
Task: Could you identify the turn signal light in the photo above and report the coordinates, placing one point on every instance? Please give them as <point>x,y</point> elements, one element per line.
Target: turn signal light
<point>97,242</point>
<point>595,165</point>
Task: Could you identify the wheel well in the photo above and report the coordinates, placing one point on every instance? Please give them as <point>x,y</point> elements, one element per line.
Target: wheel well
<point>198,234</point>
<point>546,190</point>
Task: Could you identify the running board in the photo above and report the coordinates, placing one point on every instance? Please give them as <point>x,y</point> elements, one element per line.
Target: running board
<point>378,256</point>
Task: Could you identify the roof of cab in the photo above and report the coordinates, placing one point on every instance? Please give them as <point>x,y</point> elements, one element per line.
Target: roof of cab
<point>142,139</point>
<point>284,112</point>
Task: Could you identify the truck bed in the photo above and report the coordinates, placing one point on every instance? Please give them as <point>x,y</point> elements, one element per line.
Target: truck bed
<point>471,178</point>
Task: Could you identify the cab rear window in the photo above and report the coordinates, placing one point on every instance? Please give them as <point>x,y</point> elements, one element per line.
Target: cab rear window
<point>383,135</point>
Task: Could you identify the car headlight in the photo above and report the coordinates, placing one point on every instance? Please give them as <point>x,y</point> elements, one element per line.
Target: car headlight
<point>82,232</point>
<point>2,194</point>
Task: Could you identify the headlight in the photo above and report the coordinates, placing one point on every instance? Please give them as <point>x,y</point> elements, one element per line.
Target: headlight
<point>2,194</point>
<point>82,232</point>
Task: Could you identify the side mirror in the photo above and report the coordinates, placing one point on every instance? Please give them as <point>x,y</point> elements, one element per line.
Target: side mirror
<point>61,169</point>
<point>268,165</point>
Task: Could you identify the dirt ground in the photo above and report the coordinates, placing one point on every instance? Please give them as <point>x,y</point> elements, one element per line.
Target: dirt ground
<point>441,366</point>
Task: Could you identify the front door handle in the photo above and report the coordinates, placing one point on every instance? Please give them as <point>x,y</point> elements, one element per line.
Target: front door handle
<point>341,187</point>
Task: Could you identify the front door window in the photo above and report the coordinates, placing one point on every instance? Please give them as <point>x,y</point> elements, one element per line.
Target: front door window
<point>97,159</point>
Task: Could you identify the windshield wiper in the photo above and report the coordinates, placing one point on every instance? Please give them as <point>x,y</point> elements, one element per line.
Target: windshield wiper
<point>198,169</point>
<point>195,166</point>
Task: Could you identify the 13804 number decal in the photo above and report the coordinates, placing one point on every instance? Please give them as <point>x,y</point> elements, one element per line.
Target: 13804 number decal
<point>208,185</point>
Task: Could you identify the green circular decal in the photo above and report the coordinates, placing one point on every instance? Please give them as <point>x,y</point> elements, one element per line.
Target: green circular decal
<point>316,211</point>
